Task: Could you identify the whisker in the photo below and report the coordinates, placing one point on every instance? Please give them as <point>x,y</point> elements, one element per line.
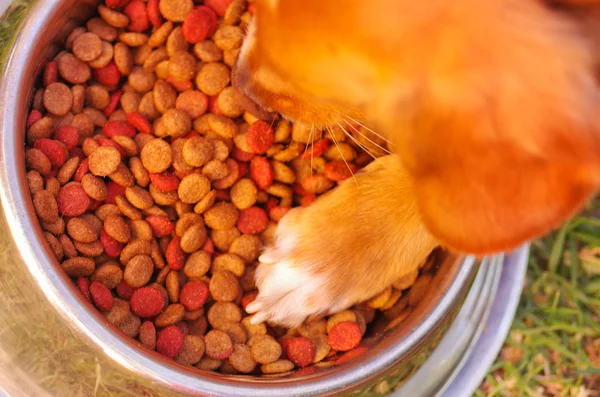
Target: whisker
<point>368,139</point>
<point>356,141</point>
<point>368,129</point>
<point>341,154</point>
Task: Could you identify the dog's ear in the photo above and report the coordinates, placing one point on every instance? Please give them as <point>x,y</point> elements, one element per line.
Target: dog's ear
<point>503,145</point>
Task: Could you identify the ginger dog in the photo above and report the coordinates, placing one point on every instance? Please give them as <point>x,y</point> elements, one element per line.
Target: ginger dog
<point>490,108</point>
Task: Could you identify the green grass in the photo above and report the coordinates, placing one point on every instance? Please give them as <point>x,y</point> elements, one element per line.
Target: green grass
<point>554,345</point>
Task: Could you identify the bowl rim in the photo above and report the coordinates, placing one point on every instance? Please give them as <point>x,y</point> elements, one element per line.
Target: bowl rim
<point>14,195</point>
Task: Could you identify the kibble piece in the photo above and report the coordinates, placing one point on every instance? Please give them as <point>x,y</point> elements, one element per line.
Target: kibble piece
<point>156,156</point>
<point>218,345</point>
<point>266,350</point>
<point>193,188</point>
<point>104,161</point>
<point>419,289</point>
<point>109,274</point>
<point>241,359</point>
<point>105,56</point>
<point>78,266</point>
<point>175,10</point>
<point>224,286</point>
<point>212,78</point>
<point>170,316</point>
<point>197,151</point>
<point>45,206</point>
<point>73,70</point>
<point>139,197</point>
<point>197,265</point>
<point>221,314</point>
<point>193,239</point>
<point>176,122</point>
<point>141,80</point>
<point>406,281</point>
<point>192,350</point>
<point>193,102</point>
<point>221,216</point>
<point>277,367</point>
<point>87,46</point>
<point>81,231</point>
<point>182,66</point>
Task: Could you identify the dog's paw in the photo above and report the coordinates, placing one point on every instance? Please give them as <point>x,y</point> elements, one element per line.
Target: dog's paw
<point>345,248</point>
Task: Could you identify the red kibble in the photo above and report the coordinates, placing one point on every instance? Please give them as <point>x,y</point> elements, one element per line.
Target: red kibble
<point>33,117</point>
<point>50,73</point>
<point>260,136</point>
<point>208,246</point>
<point>72,200</point>
<point>108,142</point>
<point>199,24</point>
<point>252,220</point>
<point>115,97</point>
<point>261,172</point>
<point>276,213</point>
<point>165,181</point>
<point>300,351</point>
<point>175,256</point>
<point>219,6</point>
<point>161,226</point>
<point>193,295</point>
<point>94,204</point>
<point>139,122</point>
<point>240,155</point>
<point>68,135</point>
<point>101,296</point>
<point>316,149</point>
<point>138,16</point>
<point>344,336</point>
<point>147,302</point>
<point>114,190</point>
<point>248,298</point>
<point>339,170</point>
<point>111,246</point>
<point>170,341</point>
<point>54,150</point>
<point>115,128</point>
<point>154,13</point>
<point>180,86</point>
<point>83,169</point>
<point>116,3</point>
<point>77,152</point>
<point>83,284</point>
<point>351,355</point>
<point>306,371</point>
<point>125,291</point>
<point>243,169</point>
<point>307,200</point>
<point>108,75</point>
<point>272,202</point>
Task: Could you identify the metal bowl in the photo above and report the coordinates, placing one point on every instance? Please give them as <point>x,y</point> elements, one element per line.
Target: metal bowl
<point>34,291</point>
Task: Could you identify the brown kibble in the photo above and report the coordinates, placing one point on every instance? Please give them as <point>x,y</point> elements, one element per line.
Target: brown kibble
<point>72,36</point>
<point>170,316</point>
<point>246,246</point>
<point>215,170</point>
<point>65,173</point>
<point>117,228</point>
<point>164,96</point>
<point>182,66</point>
<point>186,221</point>
<point>176,41</point>
<point>133,39</point>
<point>139,197</point>
<point>78,92</point>
<point>223,126</point>
<point>58,99</point>
<point>277,367</point>
<point>223,238</point>
<point>78,266</point>
<point>229,262</point>
<point>228,37</point>
<point>266,350</point>
<point>206,202</point>
<point>163,198</point>
<point>81,231</point>
<point>159,36</point>
<point>193,102</point>
<point>140,173</point>
<point>141,80</point>
<point>94,187</point>
<point>140,230</point>
<point>73,70</point>
<point>35,182</point>
<point>173,286</point>
<point>68,246</point>
<point>192,350</point>
<point>197,265</point>
<point>156,156</point>
<point>221,216</point>
<point>122,176</point>
<point>87,46</point>
<point>53,186</point>
<point>175,10</point>
<point>254,329</point>
<point>244,193</point>
<point>229,102</point>
<point>105,56</point>
<point>104,161</point>
<point>148,110</point>
<point>127,209</point>
<point>193,238</point>
<point>109,274</point>
<point>209,364</point>
<point>237,333</point>
<point>42,128</point>
<point>176,122</point>
<point>221,150</point>
<point>207,51</point>
<point>218,344</point>
<point>224,286</point>
<point>141,53</point>
<point>221,314</point>
<point>137,247</point>
<point>406,281</point>
<point>131,326</point>
<point>55,245</point>
<point>112,17</point>
<point>241,359</point>
<point>193,188</point>
<point>156,57</point>
<point>119,312</point>
<point>45,206</point>
<point>102,29</point>
<point>380,299</point>
<point>197,151</point>
<point>138,271</point>
<point>97,96</point>
<point>97,117</point>
<point>346,315</point>
<point>123,58</point>
<point>212,78</point>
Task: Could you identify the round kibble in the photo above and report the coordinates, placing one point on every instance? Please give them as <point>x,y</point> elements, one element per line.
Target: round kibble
<point>212,78</point>
<point>221,314</point>
<point>193,238</point>
<point>156,156</point>
<point>224,286</point>
<point>241,359</point>
<point>221,216</point>
<point>170,341</point>
<point>175,10</point>
<point>148,335</point>
<point>87,46</point>
<point>45,206</point>
<point>300,351</point>
<point>344,336</point>
<point>192,350</point>
<point>218,345</point>
<point>101,296</point>
<point>197,151</point>
<point>147,302</point>
<point>266,350</point>
<point>193,295</point>
<point>58,99</point>
<point>78,266</point>
<point>193,188</point>
<point>104,161</point>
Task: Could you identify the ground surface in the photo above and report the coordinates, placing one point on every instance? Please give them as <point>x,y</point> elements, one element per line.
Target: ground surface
<point>554,345</point>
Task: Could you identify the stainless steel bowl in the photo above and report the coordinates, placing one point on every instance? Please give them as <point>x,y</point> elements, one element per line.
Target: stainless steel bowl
<point>46,323</point>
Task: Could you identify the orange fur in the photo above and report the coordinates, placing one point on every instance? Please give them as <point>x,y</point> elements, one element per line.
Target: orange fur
<point>491,106</point>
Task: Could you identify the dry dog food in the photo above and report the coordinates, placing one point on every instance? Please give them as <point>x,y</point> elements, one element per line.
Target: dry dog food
<point>156,190</point>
